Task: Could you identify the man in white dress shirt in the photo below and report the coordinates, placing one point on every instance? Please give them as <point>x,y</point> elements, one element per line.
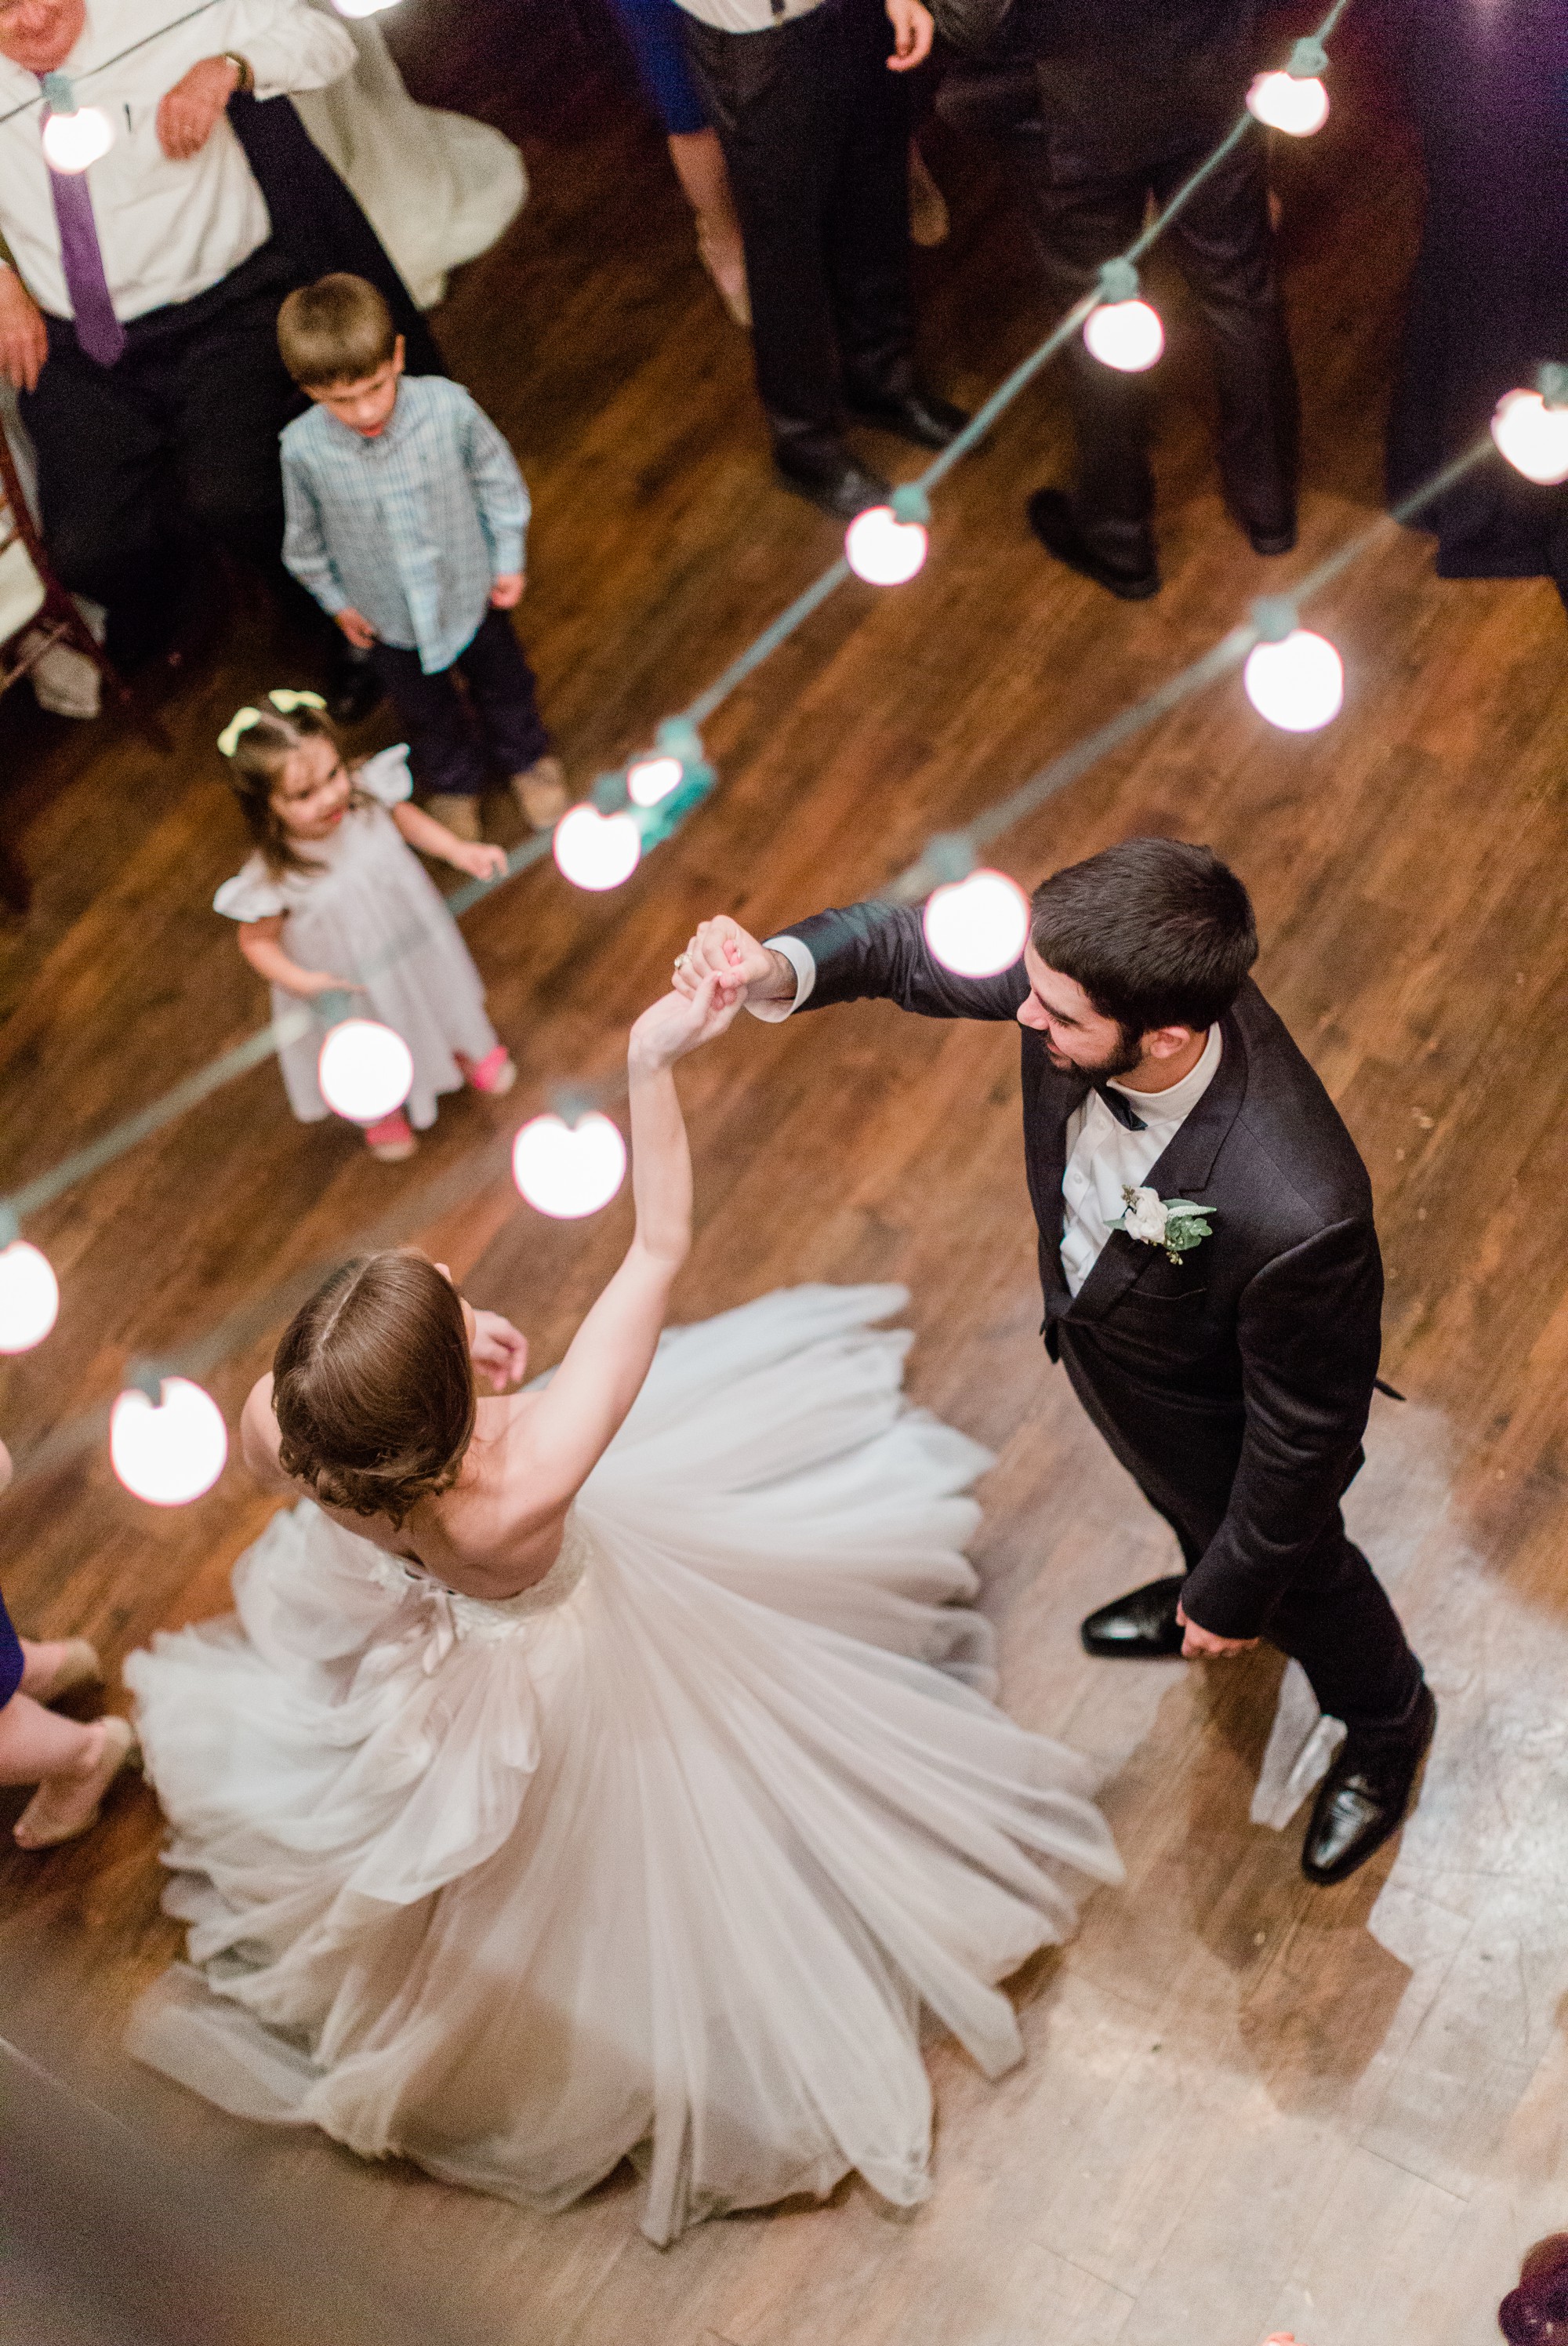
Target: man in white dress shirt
<point>137,306</point>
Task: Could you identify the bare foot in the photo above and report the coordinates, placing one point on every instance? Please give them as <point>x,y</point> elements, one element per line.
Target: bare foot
<point>66,1805</point>
<point>58,1665</point>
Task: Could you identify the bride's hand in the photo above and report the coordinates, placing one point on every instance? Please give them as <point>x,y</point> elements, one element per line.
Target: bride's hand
<point>498,1351</point>
<point>668,1029</point>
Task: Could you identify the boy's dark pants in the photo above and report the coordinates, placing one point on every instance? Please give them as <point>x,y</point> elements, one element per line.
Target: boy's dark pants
<point>455,738</point>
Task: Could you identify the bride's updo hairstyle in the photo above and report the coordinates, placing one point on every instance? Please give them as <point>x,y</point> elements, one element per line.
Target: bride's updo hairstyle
<point>374,1388</point>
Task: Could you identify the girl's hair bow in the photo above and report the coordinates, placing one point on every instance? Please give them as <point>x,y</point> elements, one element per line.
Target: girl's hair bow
<point>283,699</point>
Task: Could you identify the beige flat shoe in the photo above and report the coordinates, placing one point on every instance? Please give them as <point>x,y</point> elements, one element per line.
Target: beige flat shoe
<point>53,1816</point>
<point>460,815</point>
<point>540,790</point>
<point>78,1666</point>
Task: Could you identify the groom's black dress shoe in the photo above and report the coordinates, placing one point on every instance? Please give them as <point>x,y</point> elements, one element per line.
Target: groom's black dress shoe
<point>1364,1798</point>
<point>1054,523</point>
<point>913,415</point>
<point>826,474</point>
<point>1141,1626</point>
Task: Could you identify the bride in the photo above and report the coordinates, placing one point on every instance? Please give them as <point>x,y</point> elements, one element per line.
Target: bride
<point>605,1770</point>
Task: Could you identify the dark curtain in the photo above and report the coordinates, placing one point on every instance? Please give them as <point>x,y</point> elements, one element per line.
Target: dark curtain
<point>1487,82</point>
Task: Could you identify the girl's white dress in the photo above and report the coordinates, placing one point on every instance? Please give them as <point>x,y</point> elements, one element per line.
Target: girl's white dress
<point>371,913</point>
<point>662,1858</point>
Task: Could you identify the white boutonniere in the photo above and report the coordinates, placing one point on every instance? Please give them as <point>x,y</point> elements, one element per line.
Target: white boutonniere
<point>1174,1223</point>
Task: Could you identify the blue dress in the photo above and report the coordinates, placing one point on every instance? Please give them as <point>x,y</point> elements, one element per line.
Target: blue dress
<point>10,1657</point>
<point>653,28</point>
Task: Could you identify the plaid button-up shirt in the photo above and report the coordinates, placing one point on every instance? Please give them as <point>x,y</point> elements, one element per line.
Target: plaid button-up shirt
<point>412,528</point>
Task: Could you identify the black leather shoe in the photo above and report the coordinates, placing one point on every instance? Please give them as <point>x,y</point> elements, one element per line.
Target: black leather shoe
<point>1051,519</point>
<point>830,479</point>
<point>1272,541</point>
<point>1362,1800</point>
<point>917,415</point>
<point>353,687</point>
<point>1141,1626</point>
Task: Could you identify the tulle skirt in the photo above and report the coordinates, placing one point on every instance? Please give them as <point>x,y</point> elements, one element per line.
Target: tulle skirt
<point>663,1859</point>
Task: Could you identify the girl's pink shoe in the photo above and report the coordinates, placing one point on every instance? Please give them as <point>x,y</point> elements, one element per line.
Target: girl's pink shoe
<point>392,1140</point>
<point>496,1072</point>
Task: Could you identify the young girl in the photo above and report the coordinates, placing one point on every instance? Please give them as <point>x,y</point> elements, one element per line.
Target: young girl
<point>334,901</point>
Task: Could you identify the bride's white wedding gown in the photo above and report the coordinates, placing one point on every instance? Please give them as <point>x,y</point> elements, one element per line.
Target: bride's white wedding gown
<point>663,1857</point>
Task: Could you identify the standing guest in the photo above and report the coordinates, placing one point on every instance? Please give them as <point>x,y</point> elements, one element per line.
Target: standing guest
<point>406,519</point>
<point>1123,102</point>
<point>72,1764</point>
<point>1230,1369</point>
<point>653,31</point>
<point>138,319</point>
<point>332,901</point>
<point>813,117</point>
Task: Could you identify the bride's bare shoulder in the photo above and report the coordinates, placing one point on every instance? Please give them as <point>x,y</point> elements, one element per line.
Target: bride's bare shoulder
<point>258,1436</point>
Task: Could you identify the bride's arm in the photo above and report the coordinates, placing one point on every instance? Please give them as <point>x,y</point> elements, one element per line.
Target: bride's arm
<point>576,1416</point>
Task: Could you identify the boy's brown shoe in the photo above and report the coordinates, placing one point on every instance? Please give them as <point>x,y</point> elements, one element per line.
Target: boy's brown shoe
<point>540,790</point>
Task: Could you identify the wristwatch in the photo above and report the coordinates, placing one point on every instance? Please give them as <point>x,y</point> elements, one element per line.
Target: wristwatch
<point>244,69</point>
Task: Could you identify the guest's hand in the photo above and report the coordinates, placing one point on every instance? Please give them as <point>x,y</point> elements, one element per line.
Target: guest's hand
<point>1199,1641</point>
<point>498,1351</point>
<point>722,949</point>
<point>24,342</point>
<point>477,858</point>
<point>670,1028</point>
<point>913,32</point>
<point>189,113</point>
<point>356,626</point>
<point>506,592</point>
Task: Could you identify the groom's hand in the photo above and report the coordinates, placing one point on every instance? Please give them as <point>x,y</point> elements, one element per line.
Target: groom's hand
<point>746,971</point>
<point>1199,1641</point>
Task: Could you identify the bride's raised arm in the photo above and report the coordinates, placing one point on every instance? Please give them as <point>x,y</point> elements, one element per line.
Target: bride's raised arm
<point>581,1409</point>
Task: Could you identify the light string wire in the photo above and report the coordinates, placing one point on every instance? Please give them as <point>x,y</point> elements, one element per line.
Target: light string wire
<point>488,1162</point>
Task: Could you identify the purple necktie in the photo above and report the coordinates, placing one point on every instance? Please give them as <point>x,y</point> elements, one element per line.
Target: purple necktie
<point>98,330</point>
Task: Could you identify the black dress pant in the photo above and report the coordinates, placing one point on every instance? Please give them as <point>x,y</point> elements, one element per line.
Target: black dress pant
<point>1224,245</point>
<point>1333,1616</point>
<point>176,443</point>
<point>815,133</point>
<point>453,736</point>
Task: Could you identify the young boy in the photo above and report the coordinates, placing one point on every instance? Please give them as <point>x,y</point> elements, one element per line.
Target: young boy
<point>406,519</point>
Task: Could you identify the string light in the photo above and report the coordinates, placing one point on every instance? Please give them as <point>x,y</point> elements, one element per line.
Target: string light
<point>1530,427</point>
<point>976,924</point>
<point>652,778</point>
<point>597,850</point>
<point>362,8</point>
<point>29,1291</point>
<point>1294,101</point>
<point>886,544</point>
<point>569,1168</point>
<point>1292,676</point>
<point>168,1441</point>
<point>1124,331</point>
<point>365,1070</point>
<point>75,137</point>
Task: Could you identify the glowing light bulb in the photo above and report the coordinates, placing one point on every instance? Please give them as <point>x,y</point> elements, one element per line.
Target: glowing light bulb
<point>1126,335</point>
<point>1298,683</point>
<point>29,1297</point>
<point>365,1070</point>
<point>596,851</point>
<point>1532,436</point>
<point>75,140</point>
<point>978,926</point>
<point>882,549</point>
<point>652,778</point>
<point>1297,105</point>
<point>169,1450</point>
<point>361,7</point>
<point>569,1170</point>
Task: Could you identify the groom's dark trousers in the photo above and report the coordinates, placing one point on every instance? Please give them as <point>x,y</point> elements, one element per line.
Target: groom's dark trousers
<point>1233,1383</point>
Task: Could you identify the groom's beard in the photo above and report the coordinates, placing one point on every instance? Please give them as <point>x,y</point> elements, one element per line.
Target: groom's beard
<point>1120,1060</point>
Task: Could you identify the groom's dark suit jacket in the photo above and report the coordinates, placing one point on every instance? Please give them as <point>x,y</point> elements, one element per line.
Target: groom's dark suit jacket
<point>1235,1382</point>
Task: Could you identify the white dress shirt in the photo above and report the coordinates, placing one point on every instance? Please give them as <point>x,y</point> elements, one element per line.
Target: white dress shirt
<point>1103,1157</point>
<point>746,15</point>
<point>167,230</point>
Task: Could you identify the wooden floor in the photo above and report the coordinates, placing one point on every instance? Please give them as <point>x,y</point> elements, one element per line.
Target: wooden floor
<point>1245,2105</point>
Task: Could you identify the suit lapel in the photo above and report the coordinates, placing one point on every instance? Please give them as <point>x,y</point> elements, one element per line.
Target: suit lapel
<point>1183,1171</point>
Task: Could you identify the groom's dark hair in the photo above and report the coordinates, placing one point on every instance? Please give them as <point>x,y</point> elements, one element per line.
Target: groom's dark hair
<point>1156,933</point>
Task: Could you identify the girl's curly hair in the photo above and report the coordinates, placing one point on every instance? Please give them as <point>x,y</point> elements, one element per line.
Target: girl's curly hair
<point>374,1388</point>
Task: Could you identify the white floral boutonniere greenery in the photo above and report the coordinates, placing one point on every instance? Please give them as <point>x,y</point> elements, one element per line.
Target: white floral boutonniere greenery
<point>1174,1223</point>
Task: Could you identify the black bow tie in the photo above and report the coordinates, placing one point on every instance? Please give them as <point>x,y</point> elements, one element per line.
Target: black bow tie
<point>1121,1107</point>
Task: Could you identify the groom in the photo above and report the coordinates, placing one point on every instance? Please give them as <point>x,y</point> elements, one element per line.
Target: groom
<point>1232,1378</point>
